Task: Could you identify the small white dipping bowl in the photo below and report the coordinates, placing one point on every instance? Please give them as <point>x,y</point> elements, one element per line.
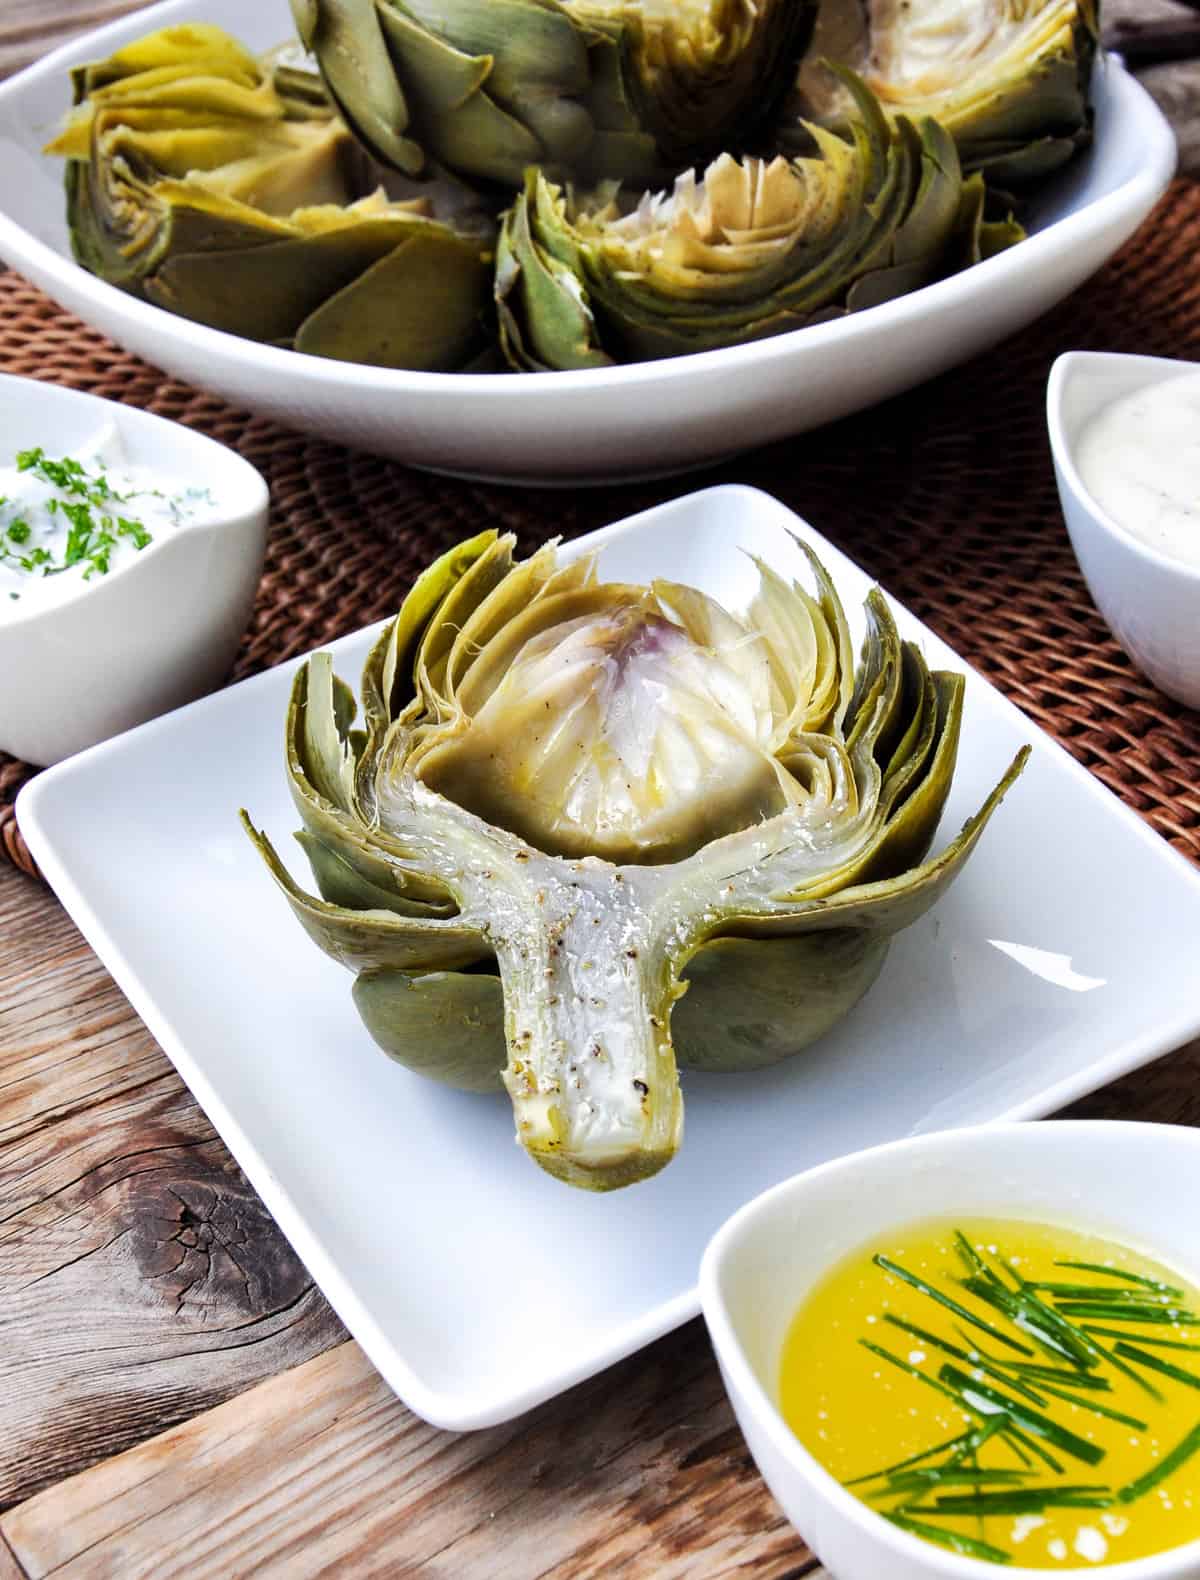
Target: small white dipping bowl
<point>154,634</point>
<point>1135,1184</point>
<point>1150,601</point>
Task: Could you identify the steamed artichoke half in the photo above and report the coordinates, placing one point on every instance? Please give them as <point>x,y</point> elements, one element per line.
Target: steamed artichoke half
<point>227,190</point>
<point>632,89</point>
<point>588,831</point>
<point>1009,79</point>
<point>750,249</point>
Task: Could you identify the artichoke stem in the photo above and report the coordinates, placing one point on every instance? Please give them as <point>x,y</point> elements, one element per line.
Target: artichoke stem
<point>587,990</point>
<point>589,970</point>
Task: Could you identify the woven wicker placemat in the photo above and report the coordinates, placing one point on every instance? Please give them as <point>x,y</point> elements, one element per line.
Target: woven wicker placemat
<point>946,494</point>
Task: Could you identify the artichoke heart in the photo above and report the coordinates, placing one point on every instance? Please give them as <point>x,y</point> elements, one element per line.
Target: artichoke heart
<point>750,249</point>
<point>227,190</point>
<point>589,832</point>
<point>628,89</point>
<point>1009,79</point>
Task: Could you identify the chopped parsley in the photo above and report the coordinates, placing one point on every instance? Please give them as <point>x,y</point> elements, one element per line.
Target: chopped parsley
<point>86,501</point>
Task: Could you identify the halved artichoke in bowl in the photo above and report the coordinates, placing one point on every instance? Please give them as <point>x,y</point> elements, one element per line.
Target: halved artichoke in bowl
<point>632,89</point>
<point>589,832</point>
<point>227,190</point>
<point>752,248</point>
<point>1008,79</point>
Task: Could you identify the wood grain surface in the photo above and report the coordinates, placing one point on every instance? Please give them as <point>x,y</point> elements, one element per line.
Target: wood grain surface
<point>176,1399</point>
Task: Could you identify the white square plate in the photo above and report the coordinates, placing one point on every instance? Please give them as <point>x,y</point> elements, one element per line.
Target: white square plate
<point>592,422</point>
<point>1063,956</point>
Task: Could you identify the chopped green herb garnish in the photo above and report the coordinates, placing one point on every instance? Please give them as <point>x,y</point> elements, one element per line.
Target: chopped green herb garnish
<point>968,1317</point>
<point>968,1546</point>
<point>1128,1278</point>
<point>986,1400</point>
<point>1165,1467</point>
<point>85,499</point>
<point>1130,1352</point>
<point>1145,1338</point>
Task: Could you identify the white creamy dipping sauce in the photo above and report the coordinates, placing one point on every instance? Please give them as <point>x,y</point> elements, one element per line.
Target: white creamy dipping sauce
<point>74,519</point>
<point>1139,458</point>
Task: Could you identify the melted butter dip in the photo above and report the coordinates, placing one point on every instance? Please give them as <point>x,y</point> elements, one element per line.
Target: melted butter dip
<point>1114,1495</point>
<point>1139,458</point>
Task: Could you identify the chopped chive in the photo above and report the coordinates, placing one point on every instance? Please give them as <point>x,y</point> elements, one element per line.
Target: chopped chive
<point>1020,1500</point>
<point>1117,1272</point>
<point>1090,1292</point>
<point>1101,1409</point>
<point>1111,1311</point>
<point>1155,1363</point>
<point>886,1355</point>
<point>1145,1338</point>
<point>1031,1421</point>
<point>973,1261</point>
<point>916,1459</point>
<point>1040,1322</point>
<point>1135,1376</point>
<point>1047,1375</point>
<point>948,1476</point>
<point>1165,1467</point>
<point>969,1317</point>
<point>984,1365</point>
<point>1011,1438</point>
<point>968,1546</point>
<point>1034,1447</point>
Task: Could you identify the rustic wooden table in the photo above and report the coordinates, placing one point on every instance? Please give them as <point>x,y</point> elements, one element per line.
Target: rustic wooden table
<point>176,1398</point>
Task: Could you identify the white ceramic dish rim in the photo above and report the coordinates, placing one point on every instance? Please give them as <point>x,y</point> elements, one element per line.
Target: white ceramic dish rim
<point>177,440</point>
<point>1071,364</point>
<point>1006,267</point>
<point>948,1566</point>
<point>451,1411</point>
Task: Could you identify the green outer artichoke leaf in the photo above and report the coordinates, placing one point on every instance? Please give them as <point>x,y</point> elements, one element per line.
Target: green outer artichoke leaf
<point>545,320</point>
<point>318,744</point>
<point>448,1026</point>
<point>364,940</point>
<point>420,306</point>
<point>753,1002</point>
<point>346,38</point>
<point>391,666</point>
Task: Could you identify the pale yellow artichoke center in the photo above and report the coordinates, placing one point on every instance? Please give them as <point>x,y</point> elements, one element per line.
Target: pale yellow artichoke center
<point>738,217</point>
<point>616,734</point>
<point>929,56</point>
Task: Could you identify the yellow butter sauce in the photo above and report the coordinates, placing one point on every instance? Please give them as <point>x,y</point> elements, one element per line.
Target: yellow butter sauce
<point>1063,1402</point>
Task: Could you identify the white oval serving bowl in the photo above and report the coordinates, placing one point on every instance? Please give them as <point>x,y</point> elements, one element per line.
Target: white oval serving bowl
<point>156,633</point>
<point>1132,1183</point>
<point>601,423</point>
<point>1150,601</point>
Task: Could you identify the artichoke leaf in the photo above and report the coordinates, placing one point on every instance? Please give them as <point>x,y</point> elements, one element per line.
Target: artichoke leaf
<point>446,1025</point>
<point>346,39</point>
<point>362,939</point>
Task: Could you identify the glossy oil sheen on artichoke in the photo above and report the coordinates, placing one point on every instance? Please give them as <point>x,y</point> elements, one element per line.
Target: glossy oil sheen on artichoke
<point>587,832</point>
